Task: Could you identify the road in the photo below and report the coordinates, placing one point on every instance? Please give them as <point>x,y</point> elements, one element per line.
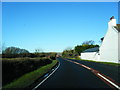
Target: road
<point>71,75</point>
<point>109,70</point>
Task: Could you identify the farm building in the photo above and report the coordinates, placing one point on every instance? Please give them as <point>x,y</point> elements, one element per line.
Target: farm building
<point>109,50</point>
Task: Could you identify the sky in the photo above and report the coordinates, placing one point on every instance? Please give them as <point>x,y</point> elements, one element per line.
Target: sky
<point>54,26</point>
<point>59,0</point>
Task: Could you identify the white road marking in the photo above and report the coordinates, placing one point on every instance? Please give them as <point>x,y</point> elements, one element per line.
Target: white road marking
<point>109,81</point>
<point>76,62</point>
<point>100,76</point>
<point>85,66</point>
<point>46,78</point>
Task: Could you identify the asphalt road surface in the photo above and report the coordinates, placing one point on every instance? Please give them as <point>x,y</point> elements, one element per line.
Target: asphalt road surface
<point>71,75</point>
<point>108,70</point>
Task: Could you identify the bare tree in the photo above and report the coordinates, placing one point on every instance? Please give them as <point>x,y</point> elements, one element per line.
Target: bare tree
<point>90,42</point>
<point>68,48</point>
<point>2,47</point>
<point>38,50</point>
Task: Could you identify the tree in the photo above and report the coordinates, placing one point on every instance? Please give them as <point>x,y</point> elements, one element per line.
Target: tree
<point>39,53</point>
<point>68,48</point>
<point>68,53</point>
<point>3,47</point>
<point>0,48</point>
<point>85,45</point>
<point>90,42</point>
<point>15,52</point>
<point>78,49</point>
<point>52,55</point>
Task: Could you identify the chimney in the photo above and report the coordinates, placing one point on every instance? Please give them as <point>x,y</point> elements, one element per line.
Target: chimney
<point>112,18</point>
<point>112,22</point>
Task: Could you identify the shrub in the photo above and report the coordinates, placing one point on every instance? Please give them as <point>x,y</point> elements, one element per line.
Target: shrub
<point>14,68</point>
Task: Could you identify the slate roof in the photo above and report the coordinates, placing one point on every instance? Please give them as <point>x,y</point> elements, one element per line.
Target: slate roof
<point>118,27</point>
<point>96,49</point>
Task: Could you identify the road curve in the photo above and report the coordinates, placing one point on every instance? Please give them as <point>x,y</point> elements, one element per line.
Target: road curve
<point>71,75</point>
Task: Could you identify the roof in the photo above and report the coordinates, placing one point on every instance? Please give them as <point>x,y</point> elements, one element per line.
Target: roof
<point>96,49</point>
<point>118,27</point>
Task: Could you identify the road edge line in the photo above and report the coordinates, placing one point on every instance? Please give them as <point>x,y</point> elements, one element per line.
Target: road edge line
<point>108,80</point>
<point>46,77</point>
<point>98,74</point>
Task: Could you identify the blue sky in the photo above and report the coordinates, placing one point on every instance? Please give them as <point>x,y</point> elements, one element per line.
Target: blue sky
<point>60,0</point>
<point>54,26</point>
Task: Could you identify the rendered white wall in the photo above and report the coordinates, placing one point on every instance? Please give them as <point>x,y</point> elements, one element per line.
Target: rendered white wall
<point>90,56</point>
<point>109,46</point>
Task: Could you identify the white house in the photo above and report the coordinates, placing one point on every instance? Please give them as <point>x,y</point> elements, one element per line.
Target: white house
<point>90,54</point>
<point>109,50</point>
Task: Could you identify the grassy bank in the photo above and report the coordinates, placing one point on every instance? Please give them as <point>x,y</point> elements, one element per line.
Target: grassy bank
<point>110,63</point>
<point>13,68</point>
<point>31,77</point>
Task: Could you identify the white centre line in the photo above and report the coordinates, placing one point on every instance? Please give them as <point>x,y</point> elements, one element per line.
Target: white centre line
<point>109,81</point>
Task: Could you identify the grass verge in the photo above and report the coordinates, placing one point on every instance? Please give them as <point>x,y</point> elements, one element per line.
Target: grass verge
<point>31,77</point>
<point>109,63</point>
